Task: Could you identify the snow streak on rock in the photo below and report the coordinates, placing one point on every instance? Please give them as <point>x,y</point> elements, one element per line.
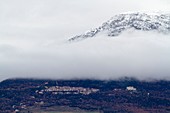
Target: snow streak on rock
<point>139,21</point>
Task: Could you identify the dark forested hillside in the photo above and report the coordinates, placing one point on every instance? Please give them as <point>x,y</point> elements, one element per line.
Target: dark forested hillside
<point>125,95</point>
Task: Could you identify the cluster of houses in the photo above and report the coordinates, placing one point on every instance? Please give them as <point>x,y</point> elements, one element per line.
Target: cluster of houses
<point>68,90</point>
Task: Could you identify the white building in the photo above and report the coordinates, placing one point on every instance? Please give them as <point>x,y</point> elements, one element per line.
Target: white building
<point>131,88</point>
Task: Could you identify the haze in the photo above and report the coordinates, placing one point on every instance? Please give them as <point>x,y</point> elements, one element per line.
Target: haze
<point>33,43</point>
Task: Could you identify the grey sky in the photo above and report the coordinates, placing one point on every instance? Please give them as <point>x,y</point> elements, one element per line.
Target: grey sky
<point>33,35</point>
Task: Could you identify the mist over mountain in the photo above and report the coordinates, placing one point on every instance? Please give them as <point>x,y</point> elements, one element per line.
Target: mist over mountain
<point>135,42</point>
<point>135,53</point>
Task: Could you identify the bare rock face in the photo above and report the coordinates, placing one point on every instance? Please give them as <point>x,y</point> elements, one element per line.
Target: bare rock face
<point>139,21</point>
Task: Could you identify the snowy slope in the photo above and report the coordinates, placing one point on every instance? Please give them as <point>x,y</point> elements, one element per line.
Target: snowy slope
<point>139,21</point>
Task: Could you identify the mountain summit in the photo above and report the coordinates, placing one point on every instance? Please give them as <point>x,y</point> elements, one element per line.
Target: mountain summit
<point>139,21</point>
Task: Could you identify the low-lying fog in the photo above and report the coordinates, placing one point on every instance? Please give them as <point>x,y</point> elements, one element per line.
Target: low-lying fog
<point>144,55</point>
<point>34,43</point>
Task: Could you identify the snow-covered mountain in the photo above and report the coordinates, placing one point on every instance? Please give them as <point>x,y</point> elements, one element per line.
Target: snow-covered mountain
<point>139,21</point>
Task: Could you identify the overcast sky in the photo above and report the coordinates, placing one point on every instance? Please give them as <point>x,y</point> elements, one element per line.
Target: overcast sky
<point>33,35</point>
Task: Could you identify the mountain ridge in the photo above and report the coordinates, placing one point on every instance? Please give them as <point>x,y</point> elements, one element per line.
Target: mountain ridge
<point>139,21</point>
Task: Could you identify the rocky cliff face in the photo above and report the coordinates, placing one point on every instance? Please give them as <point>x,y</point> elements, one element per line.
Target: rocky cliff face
<point>139,21</point>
